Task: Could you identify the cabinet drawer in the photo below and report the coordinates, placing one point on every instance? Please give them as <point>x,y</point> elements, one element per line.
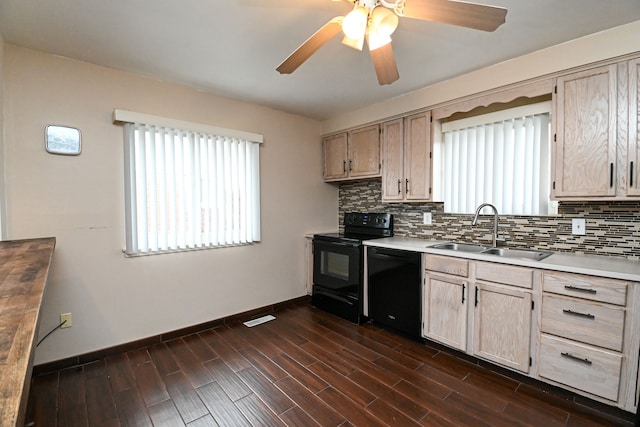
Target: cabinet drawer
<point>589,322</point>
<point>506,274</point>
<point>445,264</point>
<point>590,369</point>
<point>588,287</point>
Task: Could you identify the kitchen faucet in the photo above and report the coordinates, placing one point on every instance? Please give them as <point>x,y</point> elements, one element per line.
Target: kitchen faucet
<point>495,221</point>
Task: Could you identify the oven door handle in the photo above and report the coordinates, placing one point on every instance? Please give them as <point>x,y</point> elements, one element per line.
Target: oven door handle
<point>339,243</point>
<point>335,297</point>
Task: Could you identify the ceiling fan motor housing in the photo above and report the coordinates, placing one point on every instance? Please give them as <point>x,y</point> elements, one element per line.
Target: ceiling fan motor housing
<point>370,4</point>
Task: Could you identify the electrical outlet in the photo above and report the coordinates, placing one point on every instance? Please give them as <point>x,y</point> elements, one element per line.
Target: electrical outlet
<point>67,317</point>
<point>426,218</point>
<point>578,226</point>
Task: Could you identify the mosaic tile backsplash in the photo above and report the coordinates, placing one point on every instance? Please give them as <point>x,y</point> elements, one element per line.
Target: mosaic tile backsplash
<point>613,228</point>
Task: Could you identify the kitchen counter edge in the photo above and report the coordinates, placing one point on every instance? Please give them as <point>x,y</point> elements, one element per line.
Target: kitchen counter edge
<point>26,264</point>
<point>593,265</point>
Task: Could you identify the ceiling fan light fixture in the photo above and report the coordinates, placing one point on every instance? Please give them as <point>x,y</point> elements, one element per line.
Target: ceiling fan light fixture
<point>354,24</point>
<point>354,43</point>
<point>383,21</point>
<point>376,40</point>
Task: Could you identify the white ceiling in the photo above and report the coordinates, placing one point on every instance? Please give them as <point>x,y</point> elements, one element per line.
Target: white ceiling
<point>232,47</point>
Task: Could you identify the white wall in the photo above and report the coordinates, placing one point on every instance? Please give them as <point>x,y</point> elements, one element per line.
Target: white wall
<point>79,200</point>
<point>2,156</point>
<point>607,44</point>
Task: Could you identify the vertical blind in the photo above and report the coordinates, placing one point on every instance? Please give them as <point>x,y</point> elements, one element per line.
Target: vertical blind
<point>505,163</point>
<point>189,190</point>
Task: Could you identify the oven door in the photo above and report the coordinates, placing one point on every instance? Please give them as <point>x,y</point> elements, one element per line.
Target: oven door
<point>337,265</point>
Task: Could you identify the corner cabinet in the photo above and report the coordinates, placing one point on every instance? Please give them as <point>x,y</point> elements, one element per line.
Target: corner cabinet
<point>406,159</point>
<point>352,155</point>
<point>596,133</point>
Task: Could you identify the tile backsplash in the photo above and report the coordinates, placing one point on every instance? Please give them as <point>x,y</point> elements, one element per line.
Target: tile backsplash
<point>612,228</point>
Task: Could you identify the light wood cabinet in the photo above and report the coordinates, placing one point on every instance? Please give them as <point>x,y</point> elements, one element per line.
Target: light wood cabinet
<point>498,321</point>
<point>585,135</point>
<point>584,336</point>
<point>406,159</point>
<point>352,155</point>
<point>445,309</point>
<point>580,366</point>
<point>596,133</point>
<point>502,316</point>
<point>336,154</point>
<point>633,187</point>
<point>575,331</point>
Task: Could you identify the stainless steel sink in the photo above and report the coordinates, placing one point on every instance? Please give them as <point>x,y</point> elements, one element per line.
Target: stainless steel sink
<point>517,253</point>
<point>460,247</point>
<point>484,250</point>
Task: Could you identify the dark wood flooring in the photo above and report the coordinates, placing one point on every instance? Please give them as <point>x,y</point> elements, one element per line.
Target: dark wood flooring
<point>305,368</point>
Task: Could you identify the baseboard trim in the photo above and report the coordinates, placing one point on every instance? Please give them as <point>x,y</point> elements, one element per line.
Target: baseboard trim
<point>167,336</point>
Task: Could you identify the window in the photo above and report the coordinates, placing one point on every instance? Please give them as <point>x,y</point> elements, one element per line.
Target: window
<point>500,158</point>
<point>189,189</point>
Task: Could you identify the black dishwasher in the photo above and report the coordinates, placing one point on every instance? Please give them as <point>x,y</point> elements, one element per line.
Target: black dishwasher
<point>394,289</point>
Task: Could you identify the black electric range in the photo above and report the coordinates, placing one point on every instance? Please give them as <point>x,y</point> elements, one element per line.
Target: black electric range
<point>338,263</point>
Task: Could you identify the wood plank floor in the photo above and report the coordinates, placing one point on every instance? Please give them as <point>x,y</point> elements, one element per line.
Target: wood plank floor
<point>305,368</point>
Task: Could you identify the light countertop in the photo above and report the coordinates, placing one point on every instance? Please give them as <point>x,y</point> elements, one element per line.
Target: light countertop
<point>595,265</point>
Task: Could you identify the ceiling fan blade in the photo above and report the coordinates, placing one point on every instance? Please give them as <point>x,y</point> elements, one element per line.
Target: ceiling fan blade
<point>385,64</point>
<point>470,15</point>
<point>309,47</point>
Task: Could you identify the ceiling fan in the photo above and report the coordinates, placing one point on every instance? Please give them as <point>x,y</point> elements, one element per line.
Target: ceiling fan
<point>376,20</point>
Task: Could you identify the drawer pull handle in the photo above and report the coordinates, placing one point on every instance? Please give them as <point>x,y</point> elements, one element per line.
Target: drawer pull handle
<point>576,358</point>
<point>577,313</point>
<point>576,288</point>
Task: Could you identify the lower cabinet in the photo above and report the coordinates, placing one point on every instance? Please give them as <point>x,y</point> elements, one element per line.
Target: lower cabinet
<point>502,325</point>
<point>582,335</point>
<point>465,303</point>
<point>575,331</point>
<point>446,289</point>
<point>588,368</point>
<point>445,309</point>
<point>502,314</point>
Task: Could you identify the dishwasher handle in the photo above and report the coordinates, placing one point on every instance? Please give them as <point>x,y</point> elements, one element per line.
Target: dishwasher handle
<point>395,254</point>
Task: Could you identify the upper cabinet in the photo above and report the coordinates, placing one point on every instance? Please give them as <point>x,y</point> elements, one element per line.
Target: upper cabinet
<point>406,159</point>
<point>586,118</point>
<point>352,155</point>
<point>633,187</point>
<point>596,132</point>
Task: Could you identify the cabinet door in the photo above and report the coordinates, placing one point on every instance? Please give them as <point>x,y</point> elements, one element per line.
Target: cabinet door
<point>585,156</point>
<point>392,155</point>
<point>417,157</point>
<point>502,325</point>
<point>633,185</point>
<point>364,152</point>
<point>335,156</point>
<point>445,310</point>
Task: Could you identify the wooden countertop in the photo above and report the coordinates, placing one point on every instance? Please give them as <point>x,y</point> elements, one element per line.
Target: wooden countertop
<point>24,267</point>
